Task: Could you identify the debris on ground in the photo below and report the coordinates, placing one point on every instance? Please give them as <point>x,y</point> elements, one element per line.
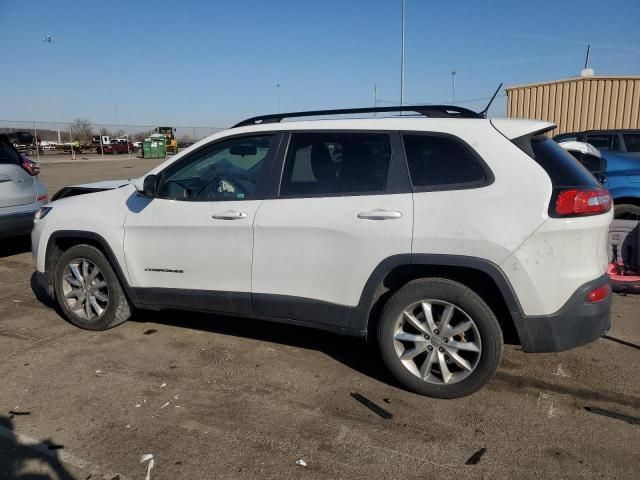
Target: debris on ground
<point>622,342</point>
<point>166,404</point>
<point>386,400</point>
<point>150,331</point>
<point>163,385</point>
<point>301,463</point>
<point>475,458</point>
<point>612,414</point>
<point>560,372</point>
<point>18,413</point>
<point>372,406</point>
<point>147,457</point>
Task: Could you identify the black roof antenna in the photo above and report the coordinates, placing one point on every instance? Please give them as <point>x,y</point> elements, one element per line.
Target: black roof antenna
<point>484,112</point>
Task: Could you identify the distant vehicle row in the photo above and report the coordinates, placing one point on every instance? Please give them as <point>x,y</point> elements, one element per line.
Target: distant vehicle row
<point>621,141</point>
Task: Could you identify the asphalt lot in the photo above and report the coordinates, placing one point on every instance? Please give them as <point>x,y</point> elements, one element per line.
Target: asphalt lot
<point>212,397</point>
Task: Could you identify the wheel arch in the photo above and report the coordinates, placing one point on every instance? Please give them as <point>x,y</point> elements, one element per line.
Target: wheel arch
<point>627,200</point>
<point>483,276</point>
<point>60,241</point>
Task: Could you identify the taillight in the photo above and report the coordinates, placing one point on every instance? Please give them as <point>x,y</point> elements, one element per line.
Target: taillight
<point>598,294</point>
<point>576,202</point>
<point>31,167</point>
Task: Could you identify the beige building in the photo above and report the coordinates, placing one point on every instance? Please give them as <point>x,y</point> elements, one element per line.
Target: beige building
<point>580,103</point>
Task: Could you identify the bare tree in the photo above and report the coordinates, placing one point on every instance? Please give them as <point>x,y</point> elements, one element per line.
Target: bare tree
<point>81,129</point>
<point>140,136</point>
<point>104,131</point>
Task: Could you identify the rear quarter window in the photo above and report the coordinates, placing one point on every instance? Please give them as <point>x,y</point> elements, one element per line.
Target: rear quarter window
<point>8,155</point>
<point>563,169</point>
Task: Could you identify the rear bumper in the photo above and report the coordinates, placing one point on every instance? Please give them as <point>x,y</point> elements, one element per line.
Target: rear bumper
<point>16,224</point>
<point>576,323</point>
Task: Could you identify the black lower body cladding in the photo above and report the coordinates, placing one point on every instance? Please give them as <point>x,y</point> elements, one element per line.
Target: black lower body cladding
<point>577,323</point>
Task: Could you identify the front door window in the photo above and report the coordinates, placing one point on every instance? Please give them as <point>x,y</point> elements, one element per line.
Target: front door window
<point>228,170</point>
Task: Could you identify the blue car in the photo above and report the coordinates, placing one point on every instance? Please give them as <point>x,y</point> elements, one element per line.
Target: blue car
<point>618,174</point>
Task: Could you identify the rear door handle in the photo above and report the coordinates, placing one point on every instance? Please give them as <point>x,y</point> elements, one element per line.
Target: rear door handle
<point>379,214</point>
<point>229,215</point>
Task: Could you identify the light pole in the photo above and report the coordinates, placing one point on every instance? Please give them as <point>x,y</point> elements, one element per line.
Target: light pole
<point>51,41</point>
<point>375,97</point>
<point>278,89</point>
<point>402,61</point>
<point>453,87</point>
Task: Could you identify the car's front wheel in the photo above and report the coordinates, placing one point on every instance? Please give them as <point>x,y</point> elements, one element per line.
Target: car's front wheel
<point>439,338</point>
<point>88,291</point>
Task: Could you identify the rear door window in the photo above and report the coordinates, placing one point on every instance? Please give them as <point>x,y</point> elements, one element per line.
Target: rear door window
<point>442,162</point>
<point>336,163</point>
<point>603,141</point>
<point>632,142</point>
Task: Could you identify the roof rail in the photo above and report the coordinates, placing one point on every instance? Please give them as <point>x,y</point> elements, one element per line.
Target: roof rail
<point>434,111</point>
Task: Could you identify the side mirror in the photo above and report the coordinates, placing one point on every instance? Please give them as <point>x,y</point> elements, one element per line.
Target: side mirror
<point>149,186</point>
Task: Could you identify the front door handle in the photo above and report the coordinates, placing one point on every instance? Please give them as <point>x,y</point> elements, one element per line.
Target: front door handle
<point>379,214</point>
<point>229,215</point>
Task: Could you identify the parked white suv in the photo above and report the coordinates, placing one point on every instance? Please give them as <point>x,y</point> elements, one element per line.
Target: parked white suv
<point>434,235</point>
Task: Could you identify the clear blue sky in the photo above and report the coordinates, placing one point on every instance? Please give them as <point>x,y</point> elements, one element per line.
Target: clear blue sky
<point>209,63</point>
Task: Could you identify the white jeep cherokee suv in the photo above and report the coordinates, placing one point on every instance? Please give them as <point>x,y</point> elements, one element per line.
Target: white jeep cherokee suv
<point>434,235</point>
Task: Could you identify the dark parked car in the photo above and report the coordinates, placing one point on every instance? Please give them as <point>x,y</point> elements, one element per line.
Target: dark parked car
<point>621,142</point>
<point>119,147</point>
<point>617,173</point>
<point>21,193</point>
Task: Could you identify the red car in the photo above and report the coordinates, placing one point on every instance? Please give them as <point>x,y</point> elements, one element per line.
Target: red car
<point>120,147</point>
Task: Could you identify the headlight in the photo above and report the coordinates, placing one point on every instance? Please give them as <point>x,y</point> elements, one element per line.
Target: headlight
<point>42,212</point>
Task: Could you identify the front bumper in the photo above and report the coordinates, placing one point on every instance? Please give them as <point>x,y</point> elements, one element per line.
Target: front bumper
<point>44,283</point>
<point>16,224</point>
<point>576,323</point>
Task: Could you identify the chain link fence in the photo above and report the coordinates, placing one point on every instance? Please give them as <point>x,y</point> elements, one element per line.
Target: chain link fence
<point>50,138</point>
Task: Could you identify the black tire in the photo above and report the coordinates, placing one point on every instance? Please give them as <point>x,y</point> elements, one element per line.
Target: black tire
<point>627,211</point>
<point>118,309</point>
<point>445,290</point>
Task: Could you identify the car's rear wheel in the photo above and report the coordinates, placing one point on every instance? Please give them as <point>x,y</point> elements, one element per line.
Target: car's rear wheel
<point>439,338</point>
<point>88,291</point>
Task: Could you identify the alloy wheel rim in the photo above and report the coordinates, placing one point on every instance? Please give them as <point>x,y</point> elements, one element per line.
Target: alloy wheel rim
<point>85,289</point>
<point>437,342</point>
